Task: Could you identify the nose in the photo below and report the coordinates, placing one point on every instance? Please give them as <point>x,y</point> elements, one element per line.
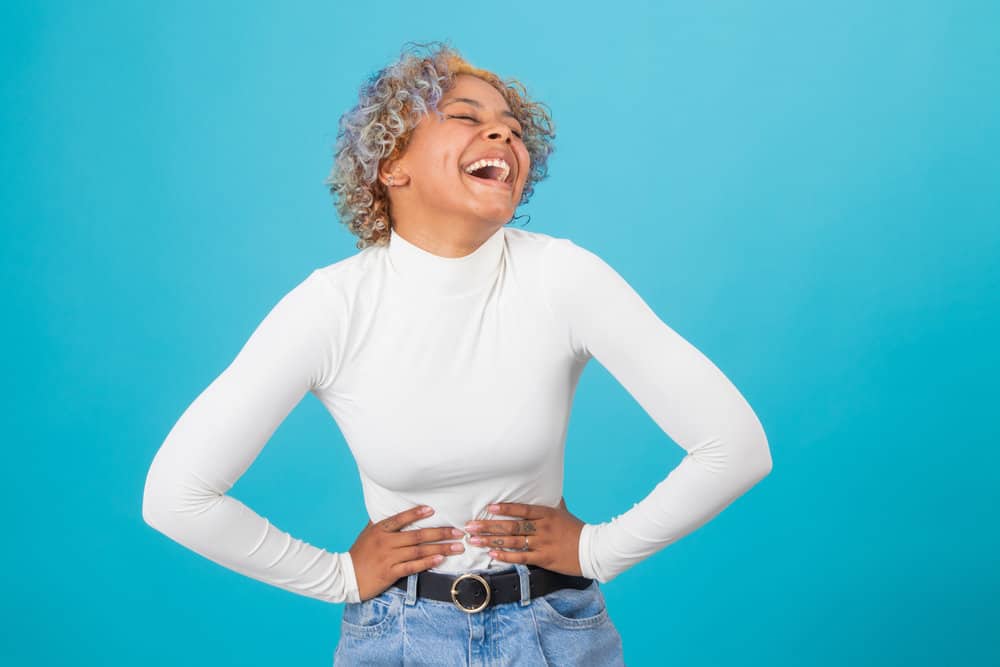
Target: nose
<point>499,131</point>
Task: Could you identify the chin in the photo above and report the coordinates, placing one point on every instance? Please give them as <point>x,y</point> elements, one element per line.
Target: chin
<point>497,216</point>
<point>502,220</point>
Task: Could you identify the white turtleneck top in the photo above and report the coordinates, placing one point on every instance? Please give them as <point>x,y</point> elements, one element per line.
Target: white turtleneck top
<point>451,380</point>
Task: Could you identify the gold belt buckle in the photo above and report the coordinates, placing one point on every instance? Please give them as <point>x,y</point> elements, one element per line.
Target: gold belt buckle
<point>454,593</point>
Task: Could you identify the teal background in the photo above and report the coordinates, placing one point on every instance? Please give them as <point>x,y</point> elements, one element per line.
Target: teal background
<point>810,194</point>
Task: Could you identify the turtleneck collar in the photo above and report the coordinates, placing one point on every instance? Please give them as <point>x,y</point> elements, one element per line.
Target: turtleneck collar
<point>446,275</point>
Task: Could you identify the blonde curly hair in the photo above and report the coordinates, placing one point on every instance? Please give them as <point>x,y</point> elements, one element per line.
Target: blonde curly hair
<point>390,104</point>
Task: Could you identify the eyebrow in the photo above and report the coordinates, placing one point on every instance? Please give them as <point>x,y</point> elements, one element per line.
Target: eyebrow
<point>476,104</point>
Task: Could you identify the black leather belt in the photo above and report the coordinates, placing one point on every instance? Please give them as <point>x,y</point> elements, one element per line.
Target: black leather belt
<point>474,592</point>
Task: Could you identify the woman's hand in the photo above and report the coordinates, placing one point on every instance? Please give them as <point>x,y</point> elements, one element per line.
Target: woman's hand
<point>383,553</point>
<point>552,536</point>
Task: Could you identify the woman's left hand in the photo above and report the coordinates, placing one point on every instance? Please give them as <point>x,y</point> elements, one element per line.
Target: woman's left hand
<point>552,536</point>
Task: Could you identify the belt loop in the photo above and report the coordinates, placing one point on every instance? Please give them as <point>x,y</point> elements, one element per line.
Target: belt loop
<point>525,583</point>
<point>411,589</point>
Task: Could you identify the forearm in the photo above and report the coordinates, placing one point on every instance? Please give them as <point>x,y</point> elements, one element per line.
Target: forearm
<point>708,479</point>
<point>195,513</point>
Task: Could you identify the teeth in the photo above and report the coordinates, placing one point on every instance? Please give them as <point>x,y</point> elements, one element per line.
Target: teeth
<point>479,164</point>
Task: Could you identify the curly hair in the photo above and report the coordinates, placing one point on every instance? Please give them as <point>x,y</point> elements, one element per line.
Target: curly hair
<point>390,104</point>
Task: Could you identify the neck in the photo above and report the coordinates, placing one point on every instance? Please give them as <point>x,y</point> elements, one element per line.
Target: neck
<point>446,241</point>
<point>446,275</point>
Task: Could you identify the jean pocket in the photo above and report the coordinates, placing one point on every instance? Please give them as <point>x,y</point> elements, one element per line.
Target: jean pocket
<point>574,608</point>
<point>371,617</point>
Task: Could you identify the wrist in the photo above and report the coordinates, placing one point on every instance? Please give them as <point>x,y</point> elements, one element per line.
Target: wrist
<point>584,550</point>
<point>350,578</point>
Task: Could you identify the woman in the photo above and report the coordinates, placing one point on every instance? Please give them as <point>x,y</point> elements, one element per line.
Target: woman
<point>448,351</point>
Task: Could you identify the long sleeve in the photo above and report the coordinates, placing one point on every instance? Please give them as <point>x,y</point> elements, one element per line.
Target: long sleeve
<point>292,351</point>
<point>687,396</point>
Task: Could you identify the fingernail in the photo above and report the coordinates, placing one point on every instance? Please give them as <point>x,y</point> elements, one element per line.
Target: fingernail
<point>457,547</point>
<point>475,540</point>
<point>426,510</point>
<point>472,526</point>
<point>494,508</point>
<point>457,533</point>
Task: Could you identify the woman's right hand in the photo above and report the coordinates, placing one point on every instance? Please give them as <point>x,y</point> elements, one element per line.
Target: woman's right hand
<point>383,552</point>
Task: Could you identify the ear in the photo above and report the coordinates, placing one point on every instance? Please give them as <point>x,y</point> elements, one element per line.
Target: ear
<point>394,169</point>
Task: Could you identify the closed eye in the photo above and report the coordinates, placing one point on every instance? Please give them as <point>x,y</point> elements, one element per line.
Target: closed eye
<point>516,133</point>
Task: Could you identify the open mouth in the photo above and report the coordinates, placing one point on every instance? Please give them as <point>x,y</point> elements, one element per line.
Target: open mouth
<point>491,182</point>
<point>495,172</point>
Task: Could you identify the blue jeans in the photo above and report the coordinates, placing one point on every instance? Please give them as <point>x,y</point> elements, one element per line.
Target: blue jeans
<point>565,627</point>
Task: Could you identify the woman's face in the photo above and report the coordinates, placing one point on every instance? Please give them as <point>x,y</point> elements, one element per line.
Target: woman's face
<point>430,180</point>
